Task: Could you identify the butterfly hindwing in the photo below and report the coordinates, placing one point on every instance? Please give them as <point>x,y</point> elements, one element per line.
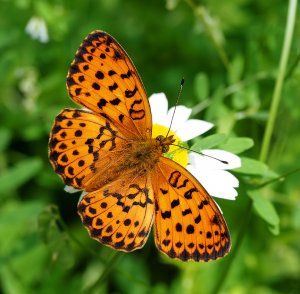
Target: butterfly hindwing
<point>78,140</point>
<point>103,79</point>
<point>120,214</point>
<point>188,223</point>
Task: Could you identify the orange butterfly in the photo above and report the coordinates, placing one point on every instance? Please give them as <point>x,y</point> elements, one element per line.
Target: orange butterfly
<point>108,151</point>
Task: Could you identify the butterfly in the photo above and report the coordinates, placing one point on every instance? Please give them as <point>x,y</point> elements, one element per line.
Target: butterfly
<point>107,150</point>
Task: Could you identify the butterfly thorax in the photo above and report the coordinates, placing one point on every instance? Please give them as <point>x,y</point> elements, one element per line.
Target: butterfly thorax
<point>136,158</point>
<point>145,154</point>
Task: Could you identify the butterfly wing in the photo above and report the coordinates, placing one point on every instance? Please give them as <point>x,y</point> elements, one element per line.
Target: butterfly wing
<point>81,143</point>
<point>103,79</point>
<point>188,223</point>
<point>120,214</point>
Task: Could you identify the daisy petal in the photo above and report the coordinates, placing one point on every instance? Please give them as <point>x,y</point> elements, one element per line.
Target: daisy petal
<point>205,162</point>
<point>82,195</point>
<point>218,183</point>
<point>233,161</point>
<point>182,114</point>
<point>71,190</point>
<point>193,128</point>
<point>159,108</point>
<point>210,167</point>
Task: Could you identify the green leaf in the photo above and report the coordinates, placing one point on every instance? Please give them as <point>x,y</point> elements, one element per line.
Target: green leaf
<point>252,167</point>
<point>201,86</point>
<point>16,176</point>
<point>239,100</point>
<point>209,142</point>
<point>236,70</point>
<point>47,221</point>
<point>237,145</point>
<point>18,230</point>
<point>265,210</point>
<point>260,116</point>
<point>11,283</point>
<point>171,4</point>
<point>216,108</point>
<point>5,137</point>
<point>54,236</point>
<point>33,132</point>
<point>212,26</point>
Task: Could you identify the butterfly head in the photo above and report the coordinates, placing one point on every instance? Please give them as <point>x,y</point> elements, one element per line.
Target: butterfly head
<point>164,142</point>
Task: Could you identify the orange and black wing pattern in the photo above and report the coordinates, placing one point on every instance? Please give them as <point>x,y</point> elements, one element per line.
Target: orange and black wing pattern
<point>188,223</point>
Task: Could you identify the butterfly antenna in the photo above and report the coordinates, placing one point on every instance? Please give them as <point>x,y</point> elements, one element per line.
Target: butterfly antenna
<point>182,147</point>
<point>179,93</point>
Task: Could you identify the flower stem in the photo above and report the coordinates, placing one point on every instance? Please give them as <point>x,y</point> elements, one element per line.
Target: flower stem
<point>202,14</point>
<point>267,136</point>
<point>280,79</point>
<point>279,178</point>
<point>110,265</point>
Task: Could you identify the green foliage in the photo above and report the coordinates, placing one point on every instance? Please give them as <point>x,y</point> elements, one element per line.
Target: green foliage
<point>266,210</point>
<point>16,176</point>
<point>229,53</point>
<point>209,142</point>
<point>201,86</point>
<point>237,145</point>
<point>54,236</point>
<point>252,167</point>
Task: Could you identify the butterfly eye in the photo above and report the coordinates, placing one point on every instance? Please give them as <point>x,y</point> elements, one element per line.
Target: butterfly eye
<point>165,148</point>
<point>159,138</point>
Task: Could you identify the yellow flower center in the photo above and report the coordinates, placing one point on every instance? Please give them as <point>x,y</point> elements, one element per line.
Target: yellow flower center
<point>175,153</point>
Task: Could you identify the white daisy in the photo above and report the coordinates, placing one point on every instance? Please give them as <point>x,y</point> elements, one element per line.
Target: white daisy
<point>36,28</point>
<point>211,173</point>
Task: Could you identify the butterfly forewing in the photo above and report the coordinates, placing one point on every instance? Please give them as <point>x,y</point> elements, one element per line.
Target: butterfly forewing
<point>103,79</point>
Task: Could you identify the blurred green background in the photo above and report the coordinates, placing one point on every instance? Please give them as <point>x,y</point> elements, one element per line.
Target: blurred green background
<point>228,52</point>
